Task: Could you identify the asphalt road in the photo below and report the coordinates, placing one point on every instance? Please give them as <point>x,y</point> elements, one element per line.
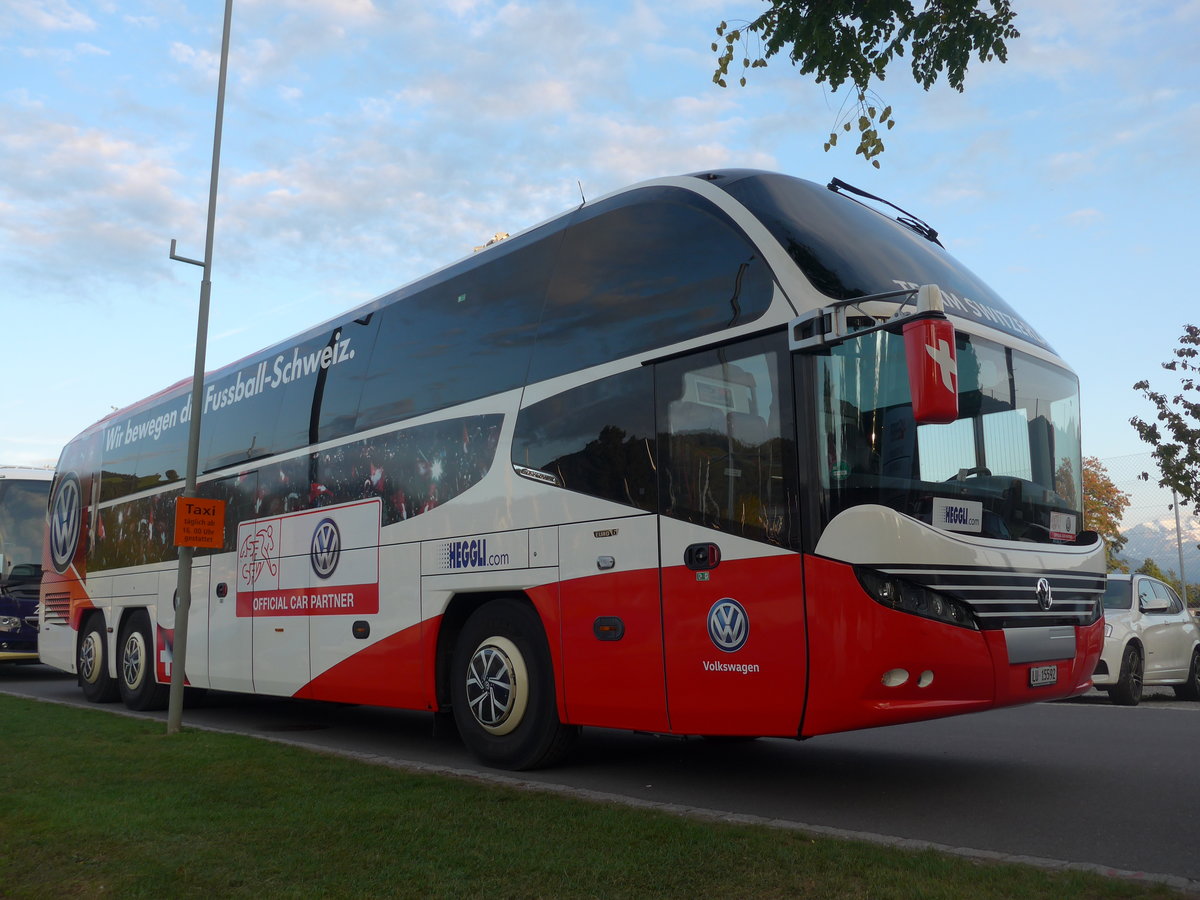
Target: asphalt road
<point>1080,783</point>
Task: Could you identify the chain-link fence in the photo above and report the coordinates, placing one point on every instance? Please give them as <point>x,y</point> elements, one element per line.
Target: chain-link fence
<point>1150,526</point>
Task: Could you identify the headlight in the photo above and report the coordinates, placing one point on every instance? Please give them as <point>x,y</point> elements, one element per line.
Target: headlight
<point>10,623</point>
<point>909,597</point>
<point>1108,629</point>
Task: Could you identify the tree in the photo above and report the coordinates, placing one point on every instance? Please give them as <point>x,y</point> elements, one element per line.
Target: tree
<point>856,40</point>
<point>1103,506</point>
<point>1150,567</point>
<point>1177,444</point>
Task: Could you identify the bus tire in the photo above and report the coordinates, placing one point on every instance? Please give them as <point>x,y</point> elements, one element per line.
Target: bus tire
<point>1128,689</point>
<point>502,689</point>
<point>135,665</point>
<point>98,686</point>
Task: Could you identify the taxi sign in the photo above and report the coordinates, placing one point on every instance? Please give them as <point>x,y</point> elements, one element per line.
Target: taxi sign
<point>199,522</point>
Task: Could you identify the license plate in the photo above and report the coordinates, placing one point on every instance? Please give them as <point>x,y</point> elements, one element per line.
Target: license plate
<point>1040,676</point>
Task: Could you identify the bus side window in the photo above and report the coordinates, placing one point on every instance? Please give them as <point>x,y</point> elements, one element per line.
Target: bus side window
<point>644,271</point>
<point>321,381</point>
<point>722,451</point>
<point>597,439</point>
<point>459,337</point>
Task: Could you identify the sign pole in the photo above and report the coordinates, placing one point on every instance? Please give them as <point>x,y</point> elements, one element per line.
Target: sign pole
<point>184,589</point>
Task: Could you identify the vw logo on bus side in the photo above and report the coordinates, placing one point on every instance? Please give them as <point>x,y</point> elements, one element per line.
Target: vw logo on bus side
<point>326,548</point>
<point>66,517</point>
<point>728,625</point>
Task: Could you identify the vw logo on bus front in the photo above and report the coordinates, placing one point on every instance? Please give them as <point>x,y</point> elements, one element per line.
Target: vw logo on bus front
<point>1045,593</point>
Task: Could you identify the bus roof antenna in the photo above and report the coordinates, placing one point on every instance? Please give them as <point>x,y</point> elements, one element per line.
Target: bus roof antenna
<point>582,199</point>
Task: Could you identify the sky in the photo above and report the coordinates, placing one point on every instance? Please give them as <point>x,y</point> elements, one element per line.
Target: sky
<point>368,142</point>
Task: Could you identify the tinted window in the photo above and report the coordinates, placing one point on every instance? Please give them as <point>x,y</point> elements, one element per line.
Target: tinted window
<point>239,413</point>
<point>320,381</point>
<point>463,336</point>
<point>1118,595</point>
<point>848,250</point>
<point>163,457</point>
<point>724,462</point>
<point>22,519</point>
<point>1164,592</point>
<point>597,439</point>
<point>643,271</point>
<point>146,449</point>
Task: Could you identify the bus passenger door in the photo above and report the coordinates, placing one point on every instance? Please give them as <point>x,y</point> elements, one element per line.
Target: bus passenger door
<point>229,633</point>
<point>732,600</point>
<point>230,626</point>
<point>611,628</point>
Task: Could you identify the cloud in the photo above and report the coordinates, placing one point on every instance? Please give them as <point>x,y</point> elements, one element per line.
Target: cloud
<point>46,15</point>
<point>63,55</point>
<point>90,203</point>
<point>1085,218</point>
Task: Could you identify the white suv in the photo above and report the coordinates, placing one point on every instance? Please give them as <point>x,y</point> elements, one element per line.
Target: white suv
<point>1152,641</point>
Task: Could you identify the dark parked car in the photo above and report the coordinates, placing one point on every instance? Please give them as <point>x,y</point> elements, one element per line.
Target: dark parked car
<point>18,613</point>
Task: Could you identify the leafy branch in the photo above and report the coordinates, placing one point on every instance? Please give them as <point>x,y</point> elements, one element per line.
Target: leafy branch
<point>855,41</point>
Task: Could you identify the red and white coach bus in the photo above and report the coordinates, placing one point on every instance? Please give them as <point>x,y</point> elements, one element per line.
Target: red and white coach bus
<point>695,458</point>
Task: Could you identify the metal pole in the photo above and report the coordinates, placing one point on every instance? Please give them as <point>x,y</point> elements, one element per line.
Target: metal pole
<point>1179,549</point>
<point>179,655</point>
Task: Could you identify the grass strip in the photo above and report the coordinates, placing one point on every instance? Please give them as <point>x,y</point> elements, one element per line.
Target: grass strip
<point>103,805</point>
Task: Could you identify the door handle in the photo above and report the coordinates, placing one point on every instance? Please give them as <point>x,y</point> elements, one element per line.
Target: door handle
<point>702,557</point>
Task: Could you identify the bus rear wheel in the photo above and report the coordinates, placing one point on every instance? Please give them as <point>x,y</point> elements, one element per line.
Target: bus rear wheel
<point>502,689</point>
<point>98,686</point>
<point>139,689</point>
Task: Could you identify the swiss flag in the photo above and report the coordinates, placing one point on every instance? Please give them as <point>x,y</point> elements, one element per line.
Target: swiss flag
<point>932,370</point>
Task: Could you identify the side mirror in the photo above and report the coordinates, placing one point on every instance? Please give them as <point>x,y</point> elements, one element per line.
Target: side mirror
<point>1154,604</point>
<point>932,360</point>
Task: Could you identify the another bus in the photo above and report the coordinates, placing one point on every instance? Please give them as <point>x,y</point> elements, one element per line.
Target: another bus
<point>662,463</point>
<point>24,492</point>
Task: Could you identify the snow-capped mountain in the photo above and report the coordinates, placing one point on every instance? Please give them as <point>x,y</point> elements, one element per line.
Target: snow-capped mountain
<point>1156,540</point>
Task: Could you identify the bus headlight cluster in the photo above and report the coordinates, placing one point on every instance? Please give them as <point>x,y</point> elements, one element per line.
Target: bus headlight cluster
<point>10,623</point>
<point>909,597</point>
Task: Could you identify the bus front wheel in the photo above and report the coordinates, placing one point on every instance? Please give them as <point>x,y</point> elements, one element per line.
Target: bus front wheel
<point>139,689</point>
<point>98,686</point>
<point>503,689</point>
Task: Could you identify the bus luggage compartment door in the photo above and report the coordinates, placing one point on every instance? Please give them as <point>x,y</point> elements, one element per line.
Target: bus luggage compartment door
<point>612,624</point>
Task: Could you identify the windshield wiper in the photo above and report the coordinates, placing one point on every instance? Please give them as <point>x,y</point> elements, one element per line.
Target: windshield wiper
<point>920,226</point>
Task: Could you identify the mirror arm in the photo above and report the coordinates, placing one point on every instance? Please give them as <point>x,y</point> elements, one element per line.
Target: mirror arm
<point>830,325</point>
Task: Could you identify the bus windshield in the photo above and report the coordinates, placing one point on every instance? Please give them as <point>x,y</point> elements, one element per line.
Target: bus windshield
<point>1008,468</point>
<point>22,518</point>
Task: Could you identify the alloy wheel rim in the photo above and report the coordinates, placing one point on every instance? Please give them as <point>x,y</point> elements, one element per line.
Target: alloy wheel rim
<point>133,661</point>
<point>89,658</point>
<point>497,685</point>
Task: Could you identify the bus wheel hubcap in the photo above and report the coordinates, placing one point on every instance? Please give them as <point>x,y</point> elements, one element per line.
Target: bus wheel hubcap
<point>497,685</point>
